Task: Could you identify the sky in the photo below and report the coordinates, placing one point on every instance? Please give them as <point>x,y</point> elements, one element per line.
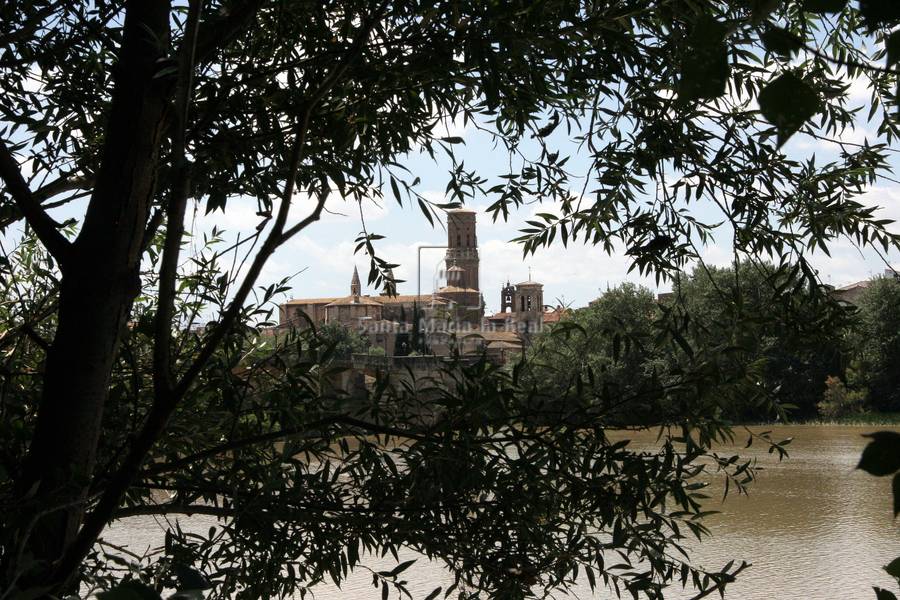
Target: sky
<point>322,257</point>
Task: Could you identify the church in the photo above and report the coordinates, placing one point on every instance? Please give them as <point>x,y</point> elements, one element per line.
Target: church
<point>451,317</point>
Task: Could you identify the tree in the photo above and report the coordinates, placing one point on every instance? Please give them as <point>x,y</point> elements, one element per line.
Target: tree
<point>620,343</point>
<point>342,342</point>
<point>128,114</point>
<point>612,349</point>
<point>877,342</point>
<point>745,311</point>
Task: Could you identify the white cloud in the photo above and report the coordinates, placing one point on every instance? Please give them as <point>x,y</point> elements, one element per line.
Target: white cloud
<point>241,215</point>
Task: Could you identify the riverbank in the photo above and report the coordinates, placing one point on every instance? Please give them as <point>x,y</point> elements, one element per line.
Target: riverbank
<point>864,419</point>
<point>860,419</point>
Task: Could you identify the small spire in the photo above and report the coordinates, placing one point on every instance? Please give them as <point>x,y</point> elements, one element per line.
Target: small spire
<point>355,287</point>
<point>529,273</point>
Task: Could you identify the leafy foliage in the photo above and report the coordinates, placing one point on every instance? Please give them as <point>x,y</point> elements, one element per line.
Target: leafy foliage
<point>130,114</point>
<point>881,457</point>
<point>627,347</point>
<point>877,342</point>
<point>838,401</point>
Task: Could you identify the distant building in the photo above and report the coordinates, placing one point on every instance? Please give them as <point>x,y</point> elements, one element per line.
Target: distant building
<point>521,307</point>
<point>452,314</point>
<point>852,293</point>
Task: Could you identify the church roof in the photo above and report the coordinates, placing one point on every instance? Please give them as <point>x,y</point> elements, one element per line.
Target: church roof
<point>499,336</point>
<point>529,283</point>
<point>555,315</point>
<point>410,298</point>
<point>355,301</point>
<point>504,344</point>
<point>853,286</point>
<point>313,300</point>
<point>401,299</point>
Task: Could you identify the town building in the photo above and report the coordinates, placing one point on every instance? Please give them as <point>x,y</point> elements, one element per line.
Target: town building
<point>449,318</point>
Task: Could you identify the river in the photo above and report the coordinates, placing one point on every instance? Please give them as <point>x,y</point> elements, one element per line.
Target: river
<point>813,527</point>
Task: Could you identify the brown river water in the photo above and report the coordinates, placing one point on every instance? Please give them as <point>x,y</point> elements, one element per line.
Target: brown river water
<point>813,527</point>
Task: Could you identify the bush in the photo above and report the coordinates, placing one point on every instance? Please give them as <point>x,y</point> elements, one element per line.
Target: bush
<point>838,401</point>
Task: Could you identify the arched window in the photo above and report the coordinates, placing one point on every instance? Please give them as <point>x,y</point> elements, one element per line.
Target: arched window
<point>522,302</point>
<point>529,303</point>
<point>458,240</point>
<point>468,242</point>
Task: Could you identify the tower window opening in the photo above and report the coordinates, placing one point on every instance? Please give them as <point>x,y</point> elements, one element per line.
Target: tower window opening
<point>529,302</point>
<point>458,240</point>
<point>522,302</point>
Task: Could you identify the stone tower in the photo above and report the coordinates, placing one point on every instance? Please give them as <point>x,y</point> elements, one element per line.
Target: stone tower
<point>526,299</point>
<point>507,298</point>
<point>462,246</point>
<point>355,287</point>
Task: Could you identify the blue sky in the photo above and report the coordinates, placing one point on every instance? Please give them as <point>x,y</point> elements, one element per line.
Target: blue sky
<point>323,255</point>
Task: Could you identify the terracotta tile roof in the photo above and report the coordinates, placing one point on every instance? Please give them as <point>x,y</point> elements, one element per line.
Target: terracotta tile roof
<point>410,298</point>
<point>508,345</point>
<point>313,300</point>
<point>853,286</point>
<point>498,336</point>
<point>555,315</point>
<point>356,301</point>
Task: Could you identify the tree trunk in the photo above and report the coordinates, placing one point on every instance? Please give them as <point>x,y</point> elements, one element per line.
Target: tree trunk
<point>93,308</point>
<point>99,284</point>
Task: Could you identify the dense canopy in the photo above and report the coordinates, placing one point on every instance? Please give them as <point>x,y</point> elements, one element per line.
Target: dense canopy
<point>118,118</point>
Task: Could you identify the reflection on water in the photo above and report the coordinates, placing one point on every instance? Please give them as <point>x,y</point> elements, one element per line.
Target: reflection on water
<point>813,527</point>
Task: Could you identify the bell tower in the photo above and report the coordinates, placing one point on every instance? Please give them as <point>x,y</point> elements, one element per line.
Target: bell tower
<point>355,287</point>
<point>462,246</point>
<point>508,298</point>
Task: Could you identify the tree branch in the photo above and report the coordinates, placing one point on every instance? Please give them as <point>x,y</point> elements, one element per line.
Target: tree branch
<point>169,509</point>
<point>66,183</point>
<point>215,33</point>
<point>44,226</point>
<point>165,404</point>
<point>277,236</point>
<point>162,339</point>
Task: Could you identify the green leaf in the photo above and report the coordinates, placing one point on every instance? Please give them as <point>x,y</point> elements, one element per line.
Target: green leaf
<point>396,190</point>
<point>453,139</point>
<point>780,41</point>
<point>892,45</point>
<point>434,594</point>
<point>893,569</point>
<point>704,65</point>
<point>401,567</point>
<point>190,578</point>
<point>216,201</point>
<point>877,13</point>
<point>130,590</point>
<point>882,455</point>
<point>788,102</point>
<point>824,6</point>
<point>882,594</point>
<point>761,9</point>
